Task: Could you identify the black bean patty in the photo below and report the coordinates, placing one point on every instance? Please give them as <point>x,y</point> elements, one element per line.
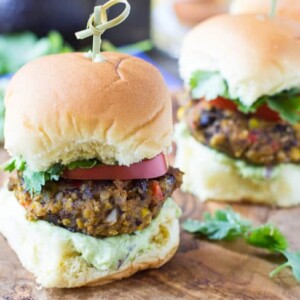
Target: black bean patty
<point>244,137</point>
<point>98,208</point>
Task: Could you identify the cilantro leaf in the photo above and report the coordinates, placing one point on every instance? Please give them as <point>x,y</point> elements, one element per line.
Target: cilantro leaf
<point>83,164</point>
<point>54,172</point>
<point>9,166</point>
<point>267,236</point>
<point>210,85</point>
<point>228,225</point>
<point>249,109</point>
<point>11,59</point>
<point>20,164</point>
<point>14,164</point>
<point>207,84</point>
<point>287,106</point>
<point>293,261</point>
<point>225,224</point>
<point>34,181</point>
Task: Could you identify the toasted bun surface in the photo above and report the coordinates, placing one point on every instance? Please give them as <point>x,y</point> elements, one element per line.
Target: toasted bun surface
<point>65,107</point>
<point>256,55</point>
<point>66,265</point>
<point>285,8</point>
<point>213,176</point>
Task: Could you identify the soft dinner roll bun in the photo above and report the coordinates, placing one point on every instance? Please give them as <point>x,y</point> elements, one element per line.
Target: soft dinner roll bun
<point>213,176</point>
<point>192,12</point>
<point>285,8</point>
<point>58,258</point>
<point>66,107</point>
<point>256,55</point>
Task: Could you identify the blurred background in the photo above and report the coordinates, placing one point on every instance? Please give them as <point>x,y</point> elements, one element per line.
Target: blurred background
<point>153,31</point>
<point>165,21</point>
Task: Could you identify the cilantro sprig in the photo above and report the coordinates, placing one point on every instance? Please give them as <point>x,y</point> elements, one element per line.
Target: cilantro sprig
<point>34,181</point>
<point>210,85</point>
<point>11,59</point>
<point>224,225</point>
<point>228,225</point>
<point>83,164</point>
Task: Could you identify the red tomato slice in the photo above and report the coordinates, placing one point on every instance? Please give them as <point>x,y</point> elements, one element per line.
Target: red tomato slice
<point>262,112</point>
<point>146,169</point>
<point>265,113</point>
<point>224,104</point>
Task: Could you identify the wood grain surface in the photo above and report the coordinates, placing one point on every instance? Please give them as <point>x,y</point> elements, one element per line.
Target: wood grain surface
<point>199,270</point>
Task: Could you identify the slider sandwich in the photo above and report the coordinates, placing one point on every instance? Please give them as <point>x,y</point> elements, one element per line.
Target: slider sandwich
<point>90,199</point>
<point>285,8</point>
<point>239,136</point>
<point>192,12</point>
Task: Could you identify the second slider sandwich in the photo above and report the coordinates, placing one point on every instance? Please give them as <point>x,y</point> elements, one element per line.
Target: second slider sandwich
<point>285,8</point>
<point>90,202</point>
<point>239,137</point>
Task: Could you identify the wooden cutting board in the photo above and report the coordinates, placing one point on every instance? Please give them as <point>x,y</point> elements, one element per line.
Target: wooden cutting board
<point>199,270</point>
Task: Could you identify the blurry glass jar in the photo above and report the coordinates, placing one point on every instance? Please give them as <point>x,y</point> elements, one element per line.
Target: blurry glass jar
<point>171,19</point>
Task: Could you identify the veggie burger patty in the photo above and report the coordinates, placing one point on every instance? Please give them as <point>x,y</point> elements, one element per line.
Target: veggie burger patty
<point>243,136</point>
<point>98,208</point>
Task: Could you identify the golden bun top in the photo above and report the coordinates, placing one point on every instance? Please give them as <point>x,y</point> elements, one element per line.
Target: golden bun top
<point>285,8</point>
<point>255,55</point>
<point>62,108</point>
<point>192,12</point>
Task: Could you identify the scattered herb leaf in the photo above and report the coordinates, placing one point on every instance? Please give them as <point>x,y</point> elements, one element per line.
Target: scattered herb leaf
<point>12,59</point>
<point>293,261</point>
<point>229,225</point>
<point>224,225</point>
<point>34,181</point>
<point>267,236</point>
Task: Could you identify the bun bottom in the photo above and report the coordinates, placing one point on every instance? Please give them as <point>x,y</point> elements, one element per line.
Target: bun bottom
<point>211,175</point>
<point>61,259</point>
